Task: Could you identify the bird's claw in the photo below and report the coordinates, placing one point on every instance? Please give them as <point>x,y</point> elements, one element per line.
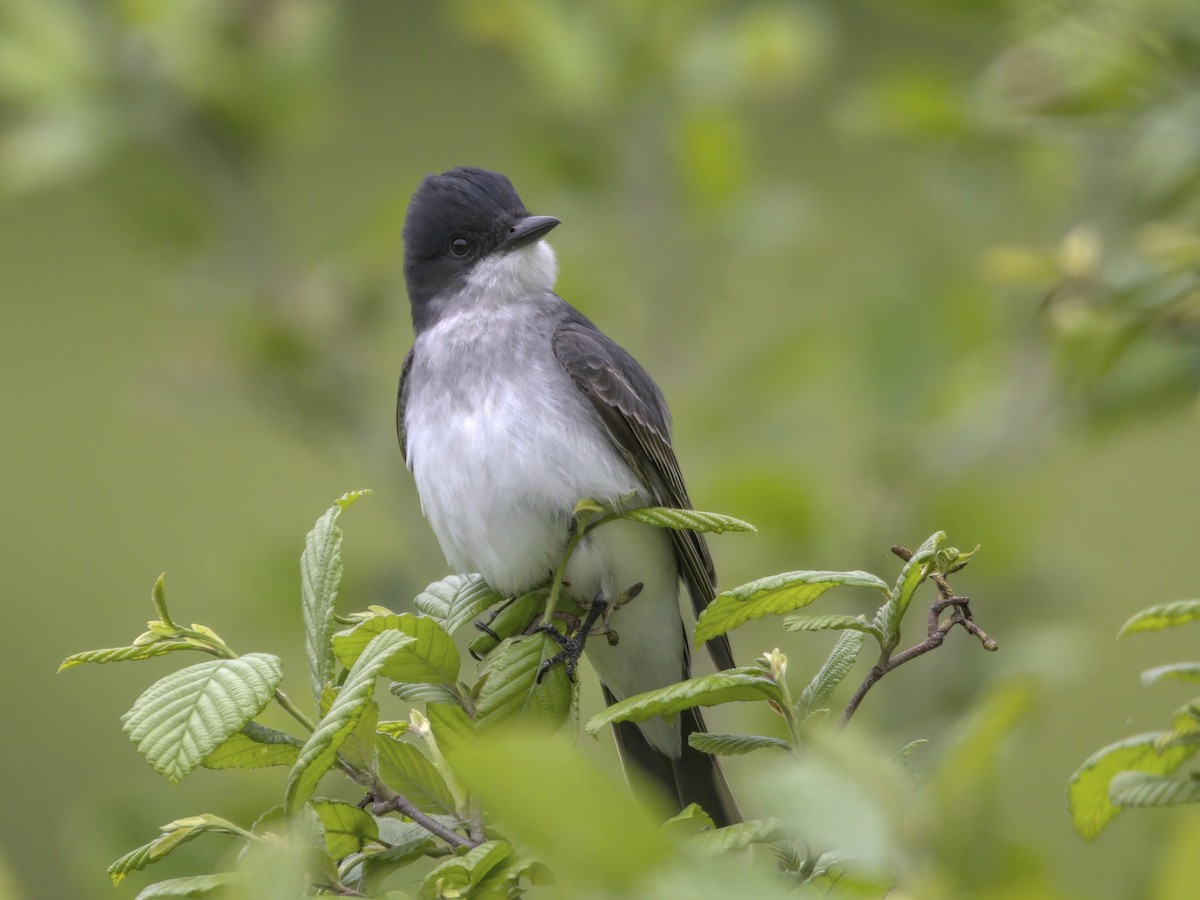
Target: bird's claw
<point>571,645</point>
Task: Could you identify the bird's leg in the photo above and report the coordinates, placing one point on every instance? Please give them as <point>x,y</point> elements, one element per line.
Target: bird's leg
<point>571,645</point>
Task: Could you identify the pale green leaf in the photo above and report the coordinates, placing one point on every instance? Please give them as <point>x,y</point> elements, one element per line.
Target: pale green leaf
<point>832,623</point>
<point>1139,789</point>
<point>509,620</point>
<point>689,821</point>
<point>1087,789</point>
<point>406,841</point>
<point>833,671</point>
<point>774,595</point>
<point>123,654</point>
<point>183,717</point>
<point>1187,671</point>
<point>407,771</point>
<point>254,747</point>
<point>320,750</point>
<point>736,837</point>
<point>904,754</point>
<point>508,690</point>
<point>423,693</point>
<point>706,690</point>
<point>431,657</point>
<point>320,575</point>
<point>347,828</point>
<point>687,519</point>
<point>734,744</point>
<point>914,572</point>
<point>472,599</point>
<point>452,728</point>
<point>610,847</point>
<point>1166,615</point>
<point>188,886</point>
<point>459,873</point>
<point>174,833</point>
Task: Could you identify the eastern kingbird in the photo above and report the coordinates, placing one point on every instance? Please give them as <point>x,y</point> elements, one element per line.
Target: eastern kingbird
<point>512,408</point>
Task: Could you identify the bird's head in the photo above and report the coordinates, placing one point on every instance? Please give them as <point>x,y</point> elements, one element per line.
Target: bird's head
<point>468,228</point>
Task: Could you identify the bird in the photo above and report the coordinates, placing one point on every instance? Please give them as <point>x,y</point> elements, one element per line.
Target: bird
<point>512,407</point>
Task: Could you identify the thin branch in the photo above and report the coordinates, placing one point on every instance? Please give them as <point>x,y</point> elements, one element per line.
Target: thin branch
<point>935,634</point>
<point>399,803</point>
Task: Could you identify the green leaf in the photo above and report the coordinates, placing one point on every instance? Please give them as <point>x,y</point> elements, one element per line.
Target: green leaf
<point>914,572</point>
<point>734,744</point>
<point>124,654</point>
<point>774,595</point>
<point>834,670</point>
<point>407,841</point>
<point>456,600</point>
<point>832,623</point>
<point>1167,615</point>
<point>320,750</point>
<point>612,847</point>
<point>689,821</point>
<point>1188,671</point>
<point>707,690</point>
<point>254,747</point>
<point>1139,789</point>
<point>430,658</point>
<point>188,886</point>
<point>511,619</point>
<point>407,771</point>
<point>452,728</point>
<point>460,873</point>
<point>687,519</point>
<point>320,574</point>
<point>1087,790</point>
<point>508,690</point>
<point>347,828</point>
<point>736,837</point>
<point>904,754</point>
<point>174,833</point>
<point>423,693</point>
<point>183,717</point>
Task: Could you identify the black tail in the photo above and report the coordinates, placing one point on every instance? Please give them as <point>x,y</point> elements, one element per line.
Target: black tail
<point>693,778</point>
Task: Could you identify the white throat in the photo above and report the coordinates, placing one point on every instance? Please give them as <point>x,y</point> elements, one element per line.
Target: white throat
<point>507,277</point>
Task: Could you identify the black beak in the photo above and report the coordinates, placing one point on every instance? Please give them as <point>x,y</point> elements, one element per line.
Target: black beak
<point>527,230</point>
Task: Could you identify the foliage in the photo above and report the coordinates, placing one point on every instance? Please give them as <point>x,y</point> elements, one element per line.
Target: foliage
<point>1140,771</point>
<point>475,795</point>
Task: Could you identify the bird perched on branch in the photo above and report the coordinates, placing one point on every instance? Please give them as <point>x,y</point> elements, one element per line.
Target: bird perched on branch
<point>513,407</point>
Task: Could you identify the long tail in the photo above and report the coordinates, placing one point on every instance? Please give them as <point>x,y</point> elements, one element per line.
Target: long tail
<point>694,777</point>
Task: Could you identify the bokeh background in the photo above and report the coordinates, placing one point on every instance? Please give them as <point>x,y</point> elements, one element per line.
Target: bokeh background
<point>897,267</point>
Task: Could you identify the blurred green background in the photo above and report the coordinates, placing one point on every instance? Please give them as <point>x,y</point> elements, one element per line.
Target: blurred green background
<point>897,267</point>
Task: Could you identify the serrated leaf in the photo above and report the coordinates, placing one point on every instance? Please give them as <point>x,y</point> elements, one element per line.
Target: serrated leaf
<point>125,654</point>
<point>914,572</point>
<point>736,837</point>
<point>423,693</point>
<point>460,873</point>
<point>734,744</point>
<point>691,820</point>
<point>188,886</point>
<point>1087,789</point>
<point>902,756</point>
<point>509,620</point>
<point>174,833</point>
<point>833,671</point>
<point>687,519</point>
<point>707,690</point>
<point>183,717</point>
<point>320,750</point>
<point>774,595</point>
<point>254,747</point>
<point>407,771</point>
<point>406,841</point>
<point>1166,615</point>
<point>1139,789</point>
<point>430,658</point>
<point>1187,671</point>
<point>508,690</point>
<point>832,623</point>
<point>347,828</point>
<point>320,575</point>
<point>456,600</point>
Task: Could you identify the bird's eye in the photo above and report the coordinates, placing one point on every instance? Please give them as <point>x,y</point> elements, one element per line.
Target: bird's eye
<point>460,246</point>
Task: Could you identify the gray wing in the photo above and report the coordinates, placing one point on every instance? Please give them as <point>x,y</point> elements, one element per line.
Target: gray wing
<point>401,402</point>
<point>635,414</point>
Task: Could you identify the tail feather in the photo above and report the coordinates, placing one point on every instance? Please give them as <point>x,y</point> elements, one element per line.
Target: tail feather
<point>694,777</point>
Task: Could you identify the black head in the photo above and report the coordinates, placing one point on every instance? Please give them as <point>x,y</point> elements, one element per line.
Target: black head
<point>456,219</point>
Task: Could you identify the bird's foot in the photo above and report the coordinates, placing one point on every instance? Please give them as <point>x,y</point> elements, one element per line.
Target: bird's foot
<point>571,644</point>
